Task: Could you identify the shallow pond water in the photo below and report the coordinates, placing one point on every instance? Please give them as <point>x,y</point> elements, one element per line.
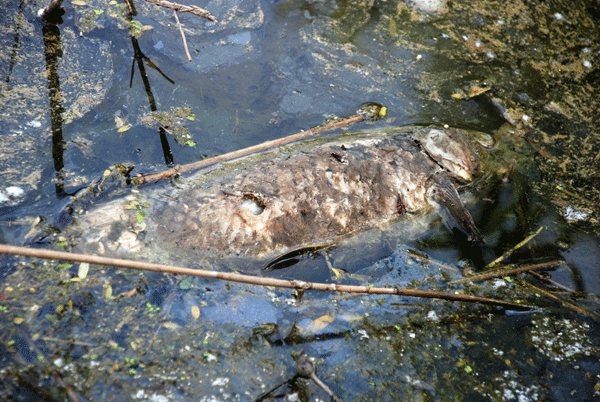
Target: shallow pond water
<point>100,89</point>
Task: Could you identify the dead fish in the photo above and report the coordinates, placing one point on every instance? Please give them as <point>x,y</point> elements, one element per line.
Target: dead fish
<point>323,192</point>
<point>310,193</point>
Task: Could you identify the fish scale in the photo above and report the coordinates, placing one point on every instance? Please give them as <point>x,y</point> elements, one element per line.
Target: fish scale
<point>298,196</point>
<point>317,195</point>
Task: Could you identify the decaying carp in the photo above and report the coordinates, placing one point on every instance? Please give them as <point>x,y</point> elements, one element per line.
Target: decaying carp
<point>300,195</point>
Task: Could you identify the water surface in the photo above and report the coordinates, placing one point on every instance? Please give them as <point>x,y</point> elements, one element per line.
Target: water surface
<point>266,70</point>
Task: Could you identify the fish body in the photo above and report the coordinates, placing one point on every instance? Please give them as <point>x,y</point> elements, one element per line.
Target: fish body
<point>308,193</point>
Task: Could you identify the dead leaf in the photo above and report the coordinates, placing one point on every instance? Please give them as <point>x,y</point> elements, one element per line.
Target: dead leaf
<point>319,324</point>
<point>477,90</point>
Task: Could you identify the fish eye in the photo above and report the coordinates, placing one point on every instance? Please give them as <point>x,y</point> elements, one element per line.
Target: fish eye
<point>253,206</point>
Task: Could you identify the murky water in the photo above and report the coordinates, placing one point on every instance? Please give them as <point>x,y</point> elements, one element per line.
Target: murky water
<point>79,97</point>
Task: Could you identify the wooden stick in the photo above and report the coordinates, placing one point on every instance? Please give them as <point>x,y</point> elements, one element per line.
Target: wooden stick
<point>512,250</point>
<point>200,12</point>
<point>511,167</point>
<point>154,177</point>
<point>567,303</point>
<point>507,272</point>
<point>551,282</point>
<point>430,261</point>
<point>130,7</point>
<point>254,280</point>
<point>187,52</point>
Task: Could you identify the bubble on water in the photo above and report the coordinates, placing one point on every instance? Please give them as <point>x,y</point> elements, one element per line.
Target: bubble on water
<point>14,191</point>
<point>572,214</point>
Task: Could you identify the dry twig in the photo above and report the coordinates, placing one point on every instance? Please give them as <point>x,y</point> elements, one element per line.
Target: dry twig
<point>511,167</point>
<point>187,52</point>
<point>500,273</point>
<point>430,261</point>
<point>130,7</point>
<point>200,12</point>
<point>512,250</point>
<point>304,369</point>
<point>254,280</point>
<point>567,303</point>
<point>551,282</point>
<point>154,177</point>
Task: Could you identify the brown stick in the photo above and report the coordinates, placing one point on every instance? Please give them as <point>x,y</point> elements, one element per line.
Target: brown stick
<point>200,12</point>
<point>130,7</point>
<point>187,52</point>
<point>551,282</point>
<point>567,303</point>
<point>154,177</point>
<point>512,250</point>
<point>511,167</point>
<point>430,261</point>
<point>254,280</point>
<point>507,272</point>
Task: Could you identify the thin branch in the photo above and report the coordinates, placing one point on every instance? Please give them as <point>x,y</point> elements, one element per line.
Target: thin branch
<point>430,261</point>
<point>567,303</point>
<point>551,282</point>
<point>507,272</point>
<point>324,387</point>
<point>511,167</point>
<point>307,369</point>
<point>131,7</point>
<point>67,341</point>
<point>254,280</point>
<point>187,52</point>
<point>512,250</point>
<point>200,12</point>
<point>154,177</point>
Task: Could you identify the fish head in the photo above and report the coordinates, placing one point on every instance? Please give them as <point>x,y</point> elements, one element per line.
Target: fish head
<point>458,151</point>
